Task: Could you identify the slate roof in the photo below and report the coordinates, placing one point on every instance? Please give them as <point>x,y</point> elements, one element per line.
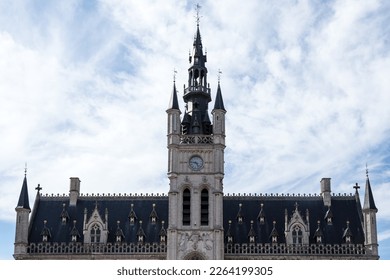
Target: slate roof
<point>344,209</point>
<point>51,209</point>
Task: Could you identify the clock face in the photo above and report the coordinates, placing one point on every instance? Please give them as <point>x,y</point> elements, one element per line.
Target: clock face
<point>196,163</point>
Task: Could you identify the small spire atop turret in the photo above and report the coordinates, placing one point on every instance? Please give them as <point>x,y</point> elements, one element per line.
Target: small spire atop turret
<point>218,99</point>
<point>173,103</point>
<point>369,202</point>
<point>23,197</point>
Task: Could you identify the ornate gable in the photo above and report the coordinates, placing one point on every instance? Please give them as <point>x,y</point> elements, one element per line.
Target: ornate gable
<point>95,229</point>
<point>297,230</point>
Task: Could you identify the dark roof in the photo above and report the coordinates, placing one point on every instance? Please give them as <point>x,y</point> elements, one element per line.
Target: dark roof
<point>49,208</point>
<point>23,197</point>
<point>344,210</point>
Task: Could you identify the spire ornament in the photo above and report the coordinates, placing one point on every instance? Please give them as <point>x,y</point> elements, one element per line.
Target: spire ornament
<point>219,75</point>
<point>174,75</point>
<point>197,8</point>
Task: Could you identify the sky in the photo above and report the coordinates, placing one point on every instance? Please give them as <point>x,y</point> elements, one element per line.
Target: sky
<point>84,86</point>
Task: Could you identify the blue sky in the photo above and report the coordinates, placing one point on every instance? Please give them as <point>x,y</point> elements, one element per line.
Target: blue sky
<point>84,86</point>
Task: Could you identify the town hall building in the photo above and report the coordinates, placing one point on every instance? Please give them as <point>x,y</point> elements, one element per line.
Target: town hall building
<point>195,219</point>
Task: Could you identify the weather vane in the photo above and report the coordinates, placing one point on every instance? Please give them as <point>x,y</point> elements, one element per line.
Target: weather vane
<point>174,75</point>
<point>219,75</point>
<point>197,8</point>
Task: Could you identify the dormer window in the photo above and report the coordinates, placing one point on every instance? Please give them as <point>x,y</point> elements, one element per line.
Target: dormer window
<point>329,216</point>
<point>45,233</point>
<point>240,218</point>
<point>74,234</point>
<point>119,233</point>
<point>64,215</point>
<point>261,220</point>
<point>163,233</point>
<point>132,215</point>
<point>153,215</point>
<point>140,233</point>
<point>261,215</point>
<point>274,234</point>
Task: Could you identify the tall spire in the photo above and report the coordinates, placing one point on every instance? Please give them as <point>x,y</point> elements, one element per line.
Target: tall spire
<point>23,197</point>
<point>197,94</point>
<point>368,197</point>
<point>173,103</point>
<point>218,99</point>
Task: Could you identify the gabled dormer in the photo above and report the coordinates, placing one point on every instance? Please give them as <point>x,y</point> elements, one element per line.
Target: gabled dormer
<point>95,227</point>
<point>297,230</point>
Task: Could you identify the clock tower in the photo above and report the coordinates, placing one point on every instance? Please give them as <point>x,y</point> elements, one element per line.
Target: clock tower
<point>196,166</point>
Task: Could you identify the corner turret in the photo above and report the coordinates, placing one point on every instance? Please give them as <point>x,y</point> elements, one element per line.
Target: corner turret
<point>22,221</point>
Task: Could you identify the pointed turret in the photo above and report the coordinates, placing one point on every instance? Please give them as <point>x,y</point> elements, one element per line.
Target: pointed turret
<point>219,113</point>
<point>173,112</point>
<point>218,105</point>
<point>23,197</point>
<point>369,202</point>
<point>369,214</point>
<point>173,103</point>
<point>22,221</point>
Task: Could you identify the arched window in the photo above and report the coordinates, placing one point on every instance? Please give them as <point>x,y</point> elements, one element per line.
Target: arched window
<point>204,208</point>
<point>186,207</point>
<point>297,235</point>
<point>95,233</point>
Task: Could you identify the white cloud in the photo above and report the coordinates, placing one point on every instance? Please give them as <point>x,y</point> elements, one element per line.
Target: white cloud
<point>84,92</point>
